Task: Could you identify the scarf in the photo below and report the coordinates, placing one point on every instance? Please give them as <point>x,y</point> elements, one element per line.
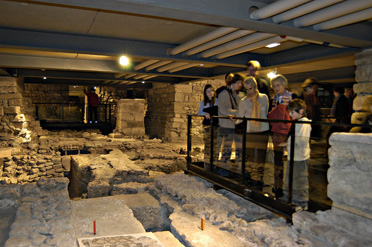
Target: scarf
<point>255,126</point>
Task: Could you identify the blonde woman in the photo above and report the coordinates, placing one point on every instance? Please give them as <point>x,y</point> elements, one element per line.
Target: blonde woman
<point>255,105</point>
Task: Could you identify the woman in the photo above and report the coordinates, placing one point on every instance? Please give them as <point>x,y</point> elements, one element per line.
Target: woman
<point>208,108</point>
<point>280,129</point>
<point>255,105</point>
<point>228,102</point>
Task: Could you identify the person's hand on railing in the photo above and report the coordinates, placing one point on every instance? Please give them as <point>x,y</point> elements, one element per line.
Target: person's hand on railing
<point>232,118</point>
<point>207,116</point>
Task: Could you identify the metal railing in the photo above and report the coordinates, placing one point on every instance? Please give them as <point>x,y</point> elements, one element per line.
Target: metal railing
<point>238,180</point>
<point>72,112</point>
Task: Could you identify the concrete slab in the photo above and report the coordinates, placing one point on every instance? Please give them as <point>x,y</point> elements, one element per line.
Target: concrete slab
<point>145,208</point>
<point>112,216</point>
<point>188,228</point>
<point>168,239</point>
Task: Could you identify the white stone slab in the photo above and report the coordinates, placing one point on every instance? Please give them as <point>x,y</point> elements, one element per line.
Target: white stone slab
<point>140,239</point>
<point>112,216</point>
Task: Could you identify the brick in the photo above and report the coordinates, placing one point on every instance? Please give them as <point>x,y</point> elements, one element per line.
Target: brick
<point>12,110</point>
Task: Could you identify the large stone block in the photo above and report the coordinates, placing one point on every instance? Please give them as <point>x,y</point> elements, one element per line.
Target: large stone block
<point>12,110</point>
<point>360,88</point>
<point>362,103</point>
<point>1,111</point>
<point>363,73</point>
<point>364,57</point>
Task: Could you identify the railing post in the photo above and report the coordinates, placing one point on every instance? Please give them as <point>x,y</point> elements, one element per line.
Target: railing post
<point>188,141</point>
<point>291,157</point>
<point>244,139</point>
<point>212,144</point>
<point>63,113</point>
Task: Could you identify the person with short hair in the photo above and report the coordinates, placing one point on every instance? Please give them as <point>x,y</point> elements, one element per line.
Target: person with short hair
<point>253,67</point>
<point>228,103</point>
<point>301,156</point>
<point>254,105</point>
<point>280,129</point>
<point>92,105</point>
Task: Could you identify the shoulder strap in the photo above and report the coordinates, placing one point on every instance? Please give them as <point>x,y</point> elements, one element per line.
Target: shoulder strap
<point>231,99</point>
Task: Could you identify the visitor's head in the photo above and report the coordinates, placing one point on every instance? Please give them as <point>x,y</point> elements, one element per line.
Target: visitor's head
<point>250,85</point>
<point>278,84</point>
<point>297,108</point>
<point>252,67</point>
<point>209,93</point>
<point>236,82</point>
<point>310,85</point>
<point>338,91</point>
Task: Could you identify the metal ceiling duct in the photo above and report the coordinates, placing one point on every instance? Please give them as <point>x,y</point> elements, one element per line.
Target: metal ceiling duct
<point>171,66</point>
<point>145,64</point>
<point>250,47</point>
<point>202,39</point>
<point>345,20</point>
<point>129,76</point>
<point>276,8</point>
<point>303,10</point>
<point>219,41</point>
<point>236,44</point>
<point>184,67</point>
<point>139,76</point>
<point>156,65</point>
<point>337,10</point>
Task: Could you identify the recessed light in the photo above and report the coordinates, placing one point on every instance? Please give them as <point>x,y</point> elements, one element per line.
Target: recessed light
<point>272,45</point>
<point>124,60</point>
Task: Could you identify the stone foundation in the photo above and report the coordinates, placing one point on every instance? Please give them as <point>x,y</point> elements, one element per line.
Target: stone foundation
<point>130,117</point>
<point>169,105</point>
<point>363,89</point>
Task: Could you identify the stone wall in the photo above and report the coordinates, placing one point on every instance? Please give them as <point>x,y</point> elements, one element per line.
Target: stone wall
<point>130,117</point>
<point>169,105</point>
<point>363,89</point>
<point>17,116</point>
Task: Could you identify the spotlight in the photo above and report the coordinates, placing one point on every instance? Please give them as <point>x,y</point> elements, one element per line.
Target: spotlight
<point>143,81</point>
<point>124,60</point>
<point>44,77</point>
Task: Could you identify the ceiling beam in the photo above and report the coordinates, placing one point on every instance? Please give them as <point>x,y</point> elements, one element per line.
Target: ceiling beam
<point>214,12</point>
<point>89,44</point>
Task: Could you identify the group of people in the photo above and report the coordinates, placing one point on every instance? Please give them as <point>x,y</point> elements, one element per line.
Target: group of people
<point>255,103</point>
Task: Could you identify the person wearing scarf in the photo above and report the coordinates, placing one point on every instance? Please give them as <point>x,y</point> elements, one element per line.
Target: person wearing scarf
<point>254,105</point>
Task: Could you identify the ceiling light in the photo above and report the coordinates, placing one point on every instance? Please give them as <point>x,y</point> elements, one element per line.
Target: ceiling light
<point>272,45</point>
<point>124,60</point>
<point>271,74</point>
<point>143,81</point>
<point>202,64</point>
<point>44,77</point>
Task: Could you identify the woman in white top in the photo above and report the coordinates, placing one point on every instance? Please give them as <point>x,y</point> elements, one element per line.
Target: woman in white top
<point>254,105</point>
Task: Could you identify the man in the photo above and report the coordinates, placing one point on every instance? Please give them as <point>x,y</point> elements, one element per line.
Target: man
<point>252,68</point>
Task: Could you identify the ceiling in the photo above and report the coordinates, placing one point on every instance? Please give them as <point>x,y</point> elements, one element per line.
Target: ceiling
<point>173,41</point>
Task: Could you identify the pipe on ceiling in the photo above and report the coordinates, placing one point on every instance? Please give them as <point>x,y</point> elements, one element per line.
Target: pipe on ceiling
<point>250,47</point>
<point>171,66</point>
<point>303,10</point>
<point>276,8</point>
<point>345,20</point>
<point>129,76</point>
<point>236,44</point>
<point>219,41</point>
<point>139,76</point>
<point>145,64</point>
<point>202,39</point>
<point>332,12</point>
<point>120,75</point>
<point>184,67</point>
<point>156,65</point>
